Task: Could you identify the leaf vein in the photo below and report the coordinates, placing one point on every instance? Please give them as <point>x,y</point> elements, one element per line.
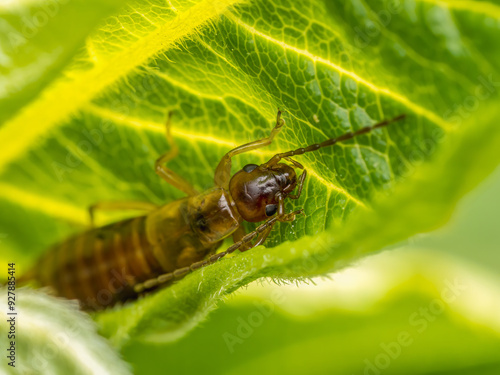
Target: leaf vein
<point>382,90</point>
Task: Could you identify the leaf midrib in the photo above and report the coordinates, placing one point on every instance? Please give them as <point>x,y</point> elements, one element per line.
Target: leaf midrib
<point>75,213</point>
<point>115,69</point>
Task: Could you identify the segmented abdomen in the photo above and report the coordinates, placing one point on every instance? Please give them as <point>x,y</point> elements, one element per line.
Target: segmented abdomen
<point>100,267</point>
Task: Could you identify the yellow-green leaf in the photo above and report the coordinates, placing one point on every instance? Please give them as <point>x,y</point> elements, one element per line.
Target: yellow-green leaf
<point>224,67</point>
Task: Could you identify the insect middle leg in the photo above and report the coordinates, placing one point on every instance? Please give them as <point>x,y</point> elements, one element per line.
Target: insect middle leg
<point>223,170</point>
<point>166,173</point>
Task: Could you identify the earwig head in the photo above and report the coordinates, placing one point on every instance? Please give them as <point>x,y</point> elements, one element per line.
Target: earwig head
<point>254,189</point>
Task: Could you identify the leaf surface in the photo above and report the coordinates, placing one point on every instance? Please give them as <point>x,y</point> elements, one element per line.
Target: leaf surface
<point>37,39</point>
<point>385,314</point>
<point>224,68</point>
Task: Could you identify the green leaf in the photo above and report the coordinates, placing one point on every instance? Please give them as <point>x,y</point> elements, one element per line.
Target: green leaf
<point>392,218</point>
<point>35,44</point>
<point>50,335</point>
<point>386,314</point>
<point>224,68</point>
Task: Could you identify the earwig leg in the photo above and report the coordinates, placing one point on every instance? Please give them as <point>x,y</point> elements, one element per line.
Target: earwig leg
<point>281,206</point>
<point>262,231</point>
<point>295,163</point>
<point>239,234</point>
<point>260,240</point>
<point>300,185</point>
<point>281,215</point>
<point>167,174</point>
<point>291,216</point>
<point>119,205</point>
<point>152,283</point>
<point>223,170</point>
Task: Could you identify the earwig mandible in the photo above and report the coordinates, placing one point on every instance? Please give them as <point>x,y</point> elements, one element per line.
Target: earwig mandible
<point>121,261</point>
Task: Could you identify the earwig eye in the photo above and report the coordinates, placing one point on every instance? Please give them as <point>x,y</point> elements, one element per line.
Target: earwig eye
<point>271,209</point>
<point>249,167</point>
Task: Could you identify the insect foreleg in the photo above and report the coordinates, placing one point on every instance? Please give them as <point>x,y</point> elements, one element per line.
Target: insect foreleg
<point>295,163</point>
<point>119,205</point>
<point>264,230</point>
<point>223,170</point>
<point>300,185</point>
<point>261,239</point>
<point>291,215</point>
<point>167,174</point>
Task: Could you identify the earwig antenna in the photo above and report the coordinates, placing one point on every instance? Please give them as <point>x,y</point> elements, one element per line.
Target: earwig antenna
<point>154,282</point>
<point>330,142</point>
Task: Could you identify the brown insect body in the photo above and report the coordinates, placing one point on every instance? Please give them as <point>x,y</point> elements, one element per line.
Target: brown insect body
<point>101,266</point>
<point>120,261</point>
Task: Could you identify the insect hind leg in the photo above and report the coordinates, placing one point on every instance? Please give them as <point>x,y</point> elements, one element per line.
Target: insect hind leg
<point>261,232</point>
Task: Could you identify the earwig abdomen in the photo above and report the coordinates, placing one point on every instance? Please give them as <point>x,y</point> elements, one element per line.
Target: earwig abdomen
<point>101,266</point>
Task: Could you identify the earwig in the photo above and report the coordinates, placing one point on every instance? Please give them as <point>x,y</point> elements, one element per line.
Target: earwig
<point>124,260</point>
